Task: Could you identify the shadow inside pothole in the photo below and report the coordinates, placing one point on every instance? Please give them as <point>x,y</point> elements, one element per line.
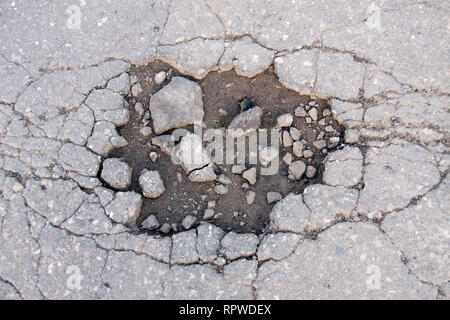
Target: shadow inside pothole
<point>223,93</point>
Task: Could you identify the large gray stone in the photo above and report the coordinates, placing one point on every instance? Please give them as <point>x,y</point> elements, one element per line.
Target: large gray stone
<point>176,105</point>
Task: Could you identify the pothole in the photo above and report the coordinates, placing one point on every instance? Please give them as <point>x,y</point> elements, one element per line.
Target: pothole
<point>245,206</point>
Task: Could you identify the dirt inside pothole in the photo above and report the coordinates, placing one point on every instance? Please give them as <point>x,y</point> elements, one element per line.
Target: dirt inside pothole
<point>221,90</point>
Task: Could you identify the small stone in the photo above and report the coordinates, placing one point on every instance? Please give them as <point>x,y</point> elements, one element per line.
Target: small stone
<point>300,112</point>
<point>284,120</point>
<point>116,173</point>
<point>209,213</point>
<point>308,120</point>
<point>151,223</point>
<point>179,177</point>
<point>288,158</point>
<point>351,136</point>
<point>224,179</point>
<point>238,168</point>
<point>320,135</point>
<point>245,186</point>
<point>205,174</point>
<point>160,77</point>
<point>297,148</point>
<point>334,140</point>
<point>188,222</point>
<point>151,184</point>
<point>297,168</point>
<point>295,133</point>
<point>307,154</point>
<point>221,189</point>
<point>246,121</point>
<point>287,140</point>
<point>322,122</point>
<point>250,197</point>
<point>273,197</point>
<point>313,114</point>
<point>165,143</point>
<point>326,112</point>
<point>211,204</point>
<point>165,228</point>
<point>310,172</point>
<point>223,112</point>
<point>139,108</point>
<point>153,156</point>
<point>250,175</point>
<point>136,90</point>
<point>329,129</point>
<point>320,144</point>
<point>146,131</point>
<point>312,103</point>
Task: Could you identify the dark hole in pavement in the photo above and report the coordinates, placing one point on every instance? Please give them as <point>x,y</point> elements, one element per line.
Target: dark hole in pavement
<point>222,90</point>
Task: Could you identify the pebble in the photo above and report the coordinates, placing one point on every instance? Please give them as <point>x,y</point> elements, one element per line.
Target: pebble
<point>310,172</point>
<point>139,108</point>
<point>297,168</point>
<point>188,222</point>
<point>288,158</point>
<point>285,120</point>
<point>313,114</point>
<point>146,131</point>
<point>224,179</point>
<point>329,129</point>
<point>250,175</point>
<point>245,186</point>
<point>308,120</point>
<point>136,90</point>
<point>165,228</point>
<point>151,184</point>
<point>307,153</point>
<point>320,144</point>
<point>238,168</point>
<point>300,112</point>
<point>209,213</point>
<point>287,140</point>
<point>160,77</point>
<point>221,189</point>
<point>273,197</point>
<point>151,223</point>
<point>250,197</point>
<point>326,112</point>
<point>295,133</point>
<point>211,204</point>
<point>153,156</point>
<point>297,148</point>
<point>320,135</point>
